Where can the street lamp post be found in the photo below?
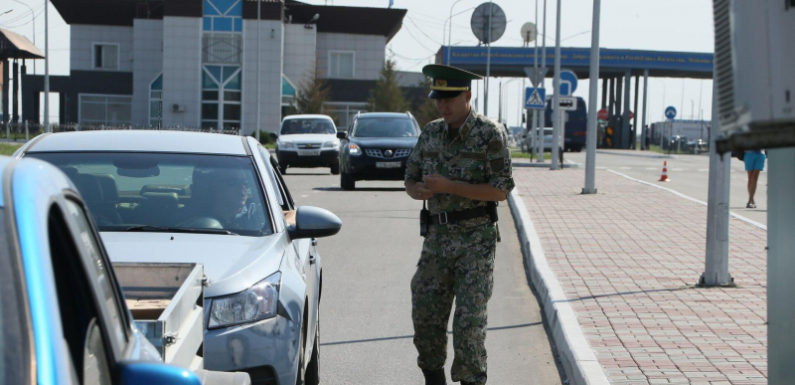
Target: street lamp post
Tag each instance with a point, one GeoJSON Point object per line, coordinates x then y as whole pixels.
{"type": "Point", "coordinates": [450, 31]}
{"type": "Point", "coordinates": [46, 70]}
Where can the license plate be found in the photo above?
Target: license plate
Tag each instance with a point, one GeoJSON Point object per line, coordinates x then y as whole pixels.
{"type": "Point", "coordinates": [387, 164]}
{"type": "Point", "coordinates": [308, 152]}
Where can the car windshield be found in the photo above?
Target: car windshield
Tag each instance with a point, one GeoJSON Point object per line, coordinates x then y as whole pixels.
{"type": "Point", "coordinates": [384, 128]}
{"type": "Point", "coordinates": [200, 193]}
{"type": "Point", "coordinates": [307, 126]}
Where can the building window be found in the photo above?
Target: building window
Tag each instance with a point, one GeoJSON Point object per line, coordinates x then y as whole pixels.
{"type": "Point", "coordinates": [106, 56]}
{"type": "Point", "coordinates": [221, 96]}
{"type": "Point", "coordinates": [109, 110]}
{"type": "Point", "coordinates": [340, 64]}
{"type": "Point", "coordinates": [222, 16]}
{"type": "Point", "coordinates": [156, 102]}
{"type": "Point", "coordinates": [221, 48]}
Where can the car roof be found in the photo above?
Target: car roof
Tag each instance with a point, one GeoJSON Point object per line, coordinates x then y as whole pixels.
{"type": "Point", "coordinates": [307, 116]}
{"type": "Point", "coordinates": [140, 140]}
{"type": "Point", "coordinates": [383, 115]}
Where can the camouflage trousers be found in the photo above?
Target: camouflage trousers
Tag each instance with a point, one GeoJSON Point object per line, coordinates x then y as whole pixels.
{"type": "Point", "coordinates": [454, 264]}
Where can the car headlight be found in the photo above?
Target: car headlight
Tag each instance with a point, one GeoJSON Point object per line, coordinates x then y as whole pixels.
{"type": "Point", "coordinates": [286, 145]}
{"type": "Point", "coordinates": [255, 303]}
{"type": "Point", "coordinates": [331, 144]}
{"type": "Point", "coordinates": [353, 149]}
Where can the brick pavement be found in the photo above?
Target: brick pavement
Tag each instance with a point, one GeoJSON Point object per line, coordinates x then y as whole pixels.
{"type": "Point", "coordinates": [627, 259]}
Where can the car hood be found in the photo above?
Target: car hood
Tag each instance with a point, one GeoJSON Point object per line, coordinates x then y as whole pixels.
{"type": "Point", "coordinates": [386, 142]}
{"type": "Point", "coordinates": [232, 263]}
{"type": "Point", "coordinates": [307, 138]}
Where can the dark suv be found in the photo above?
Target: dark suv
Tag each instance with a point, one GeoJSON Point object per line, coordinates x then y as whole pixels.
{"type": "Point", "coordinates": [376, 147]}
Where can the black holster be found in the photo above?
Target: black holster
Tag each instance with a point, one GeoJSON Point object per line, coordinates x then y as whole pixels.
{"type": "Point", "coordinates": [492, 209]}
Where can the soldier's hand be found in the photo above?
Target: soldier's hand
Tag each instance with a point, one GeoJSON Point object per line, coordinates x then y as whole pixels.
{"type": "Point", "coordinates": [437, 183]}
{"type": "Point", "coordinates": [419, 191]}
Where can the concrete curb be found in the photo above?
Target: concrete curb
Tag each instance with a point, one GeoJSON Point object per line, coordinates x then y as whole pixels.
{"type": "Point", "coordinates": [578, 359]}
{"type": "Point", "coordinates": [638, 154]}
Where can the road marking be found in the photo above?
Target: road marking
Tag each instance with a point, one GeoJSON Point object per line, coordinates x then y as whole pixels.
{"type": "Point", "coordinates": [677, 193]}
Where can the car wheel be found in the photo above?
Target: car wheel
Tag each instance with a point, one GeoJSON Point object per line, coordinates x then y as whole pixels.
{"type": "Point", "coordinates": [335, 168]}
{"type": "Point", "coordinates": [312, 376]}
{"type": "Point", "coordinates": [347, 182]}
{"type": "Point", "coordinates": [283, 169]}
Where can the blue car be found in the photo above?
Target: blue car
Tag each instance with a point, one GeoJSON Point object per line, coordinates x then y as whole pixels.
{"type": "Point", "coordinates": [63, 319]}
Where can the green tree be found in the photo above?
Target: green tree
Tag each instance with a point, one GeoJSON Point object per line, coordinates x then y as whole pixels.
{"type": "Point", "coordinates": [387, 95]}
{"type": "Point", "coordinates": [425, 111]}
{"type": "Point", "coordinates": [311, 96]}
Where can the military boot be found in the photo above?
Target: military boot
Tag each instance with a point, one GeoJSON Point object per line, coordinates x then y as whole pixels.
{"type": "Point", "coordinates": [434, 377]}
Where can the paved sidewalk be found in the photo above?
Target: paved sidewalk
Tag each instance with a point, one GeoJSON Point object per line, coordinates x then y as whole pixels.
{"type": "Point", "coordinates": [616, 272]}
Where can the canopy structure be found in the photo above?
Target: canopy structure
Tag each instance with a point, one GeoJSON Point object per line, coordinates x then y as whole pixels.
{"type": "Point", "coordinates": [15, 46]}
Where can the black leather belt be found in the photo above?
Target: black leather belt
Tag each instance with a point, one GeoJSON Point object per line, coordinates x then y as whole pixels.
{"type": "Point", "coordinates": [451, 217]}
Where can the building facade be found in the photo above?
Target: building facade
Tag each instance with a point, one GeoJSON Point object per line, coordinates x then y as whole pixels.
{"type": "Point", "coordinates": [210, 64]}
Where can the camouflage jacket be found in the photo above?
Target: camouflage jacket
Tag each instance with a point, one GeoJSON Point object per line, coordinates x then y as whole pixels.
{"type": "Point", "coordinates": [477, 154]}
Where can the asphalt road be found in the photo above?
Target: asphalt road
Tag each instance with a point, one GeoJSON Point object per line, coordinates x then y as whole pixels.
{"type": "Point", "coordinates": [366, 332]}
{"type": "Point", "coordinates": [687, 174]}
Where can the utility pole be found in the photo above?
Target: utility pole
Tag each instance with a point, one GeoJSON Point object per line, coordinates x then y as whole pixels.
{"type": "Point", "coordinates": [716, 265]}
{"type": "Point", "coordinates": [259, 45]}
{"type": "Point", "coordinates": [542, 116]}
{"type": "Point", "coordinates": [556, 98]}
{"type": "Point", "coordinates": [46, 70]}
{"type": "Point", "coordinates": [593, 82]}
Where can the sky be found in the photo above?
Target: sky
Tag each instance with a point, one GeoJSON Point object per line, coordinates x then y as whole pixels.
{"type": "Point", "coordinates": [669, 25]}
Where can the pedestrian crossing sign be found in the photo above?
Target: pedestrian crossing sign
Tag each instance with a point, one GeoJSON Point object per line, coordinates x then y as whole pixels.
{"type": "Point", "coordinates": [534, 98]}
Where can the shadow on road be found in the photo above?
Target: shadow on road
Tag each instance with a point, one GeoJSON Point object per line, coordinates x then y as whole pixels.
{"type": "Point", "coordinates": [412, 336]}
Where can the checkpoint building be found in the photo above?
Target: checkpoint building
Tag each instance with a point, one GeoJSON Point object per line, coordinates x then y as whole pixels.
{"type": "Point", "coordinates": [200, 63]}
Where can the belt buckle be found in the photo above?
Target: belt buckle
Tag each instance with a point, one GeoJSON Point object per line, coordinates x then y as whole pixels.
{"type": "Point", "coordinates": [443, 218]}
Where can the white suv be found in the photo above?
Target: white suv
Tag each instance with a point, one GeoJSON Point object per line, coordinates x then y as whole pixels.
{"type": "Point", "coordinates": [308, 140]}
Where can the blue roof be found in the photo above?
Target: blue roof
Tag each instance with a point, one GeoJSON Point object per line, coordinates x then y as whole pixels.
{"type": "Point", "coordinates": [510, 61]}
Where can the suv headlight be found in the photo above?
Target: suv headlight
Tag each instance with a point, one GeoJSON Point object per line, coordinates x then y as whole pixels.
{"type": "Point", "coordinates": [255, 303]}
{"type": "Point", "coordinates": [353, 149]}
{"type": "Point", "coordinates": [286, 145]}
{"type": "Point", "coordinates": [331, 144]}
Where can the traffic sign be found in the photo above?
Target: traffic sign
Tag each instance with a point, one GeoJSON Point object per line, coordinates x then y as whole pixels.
{"type": "Point", "coordinates": [568, 83]}
{"type": "Point", "coordinates": [536, 75]}
{"type": "Point", "coordinates": [602, 114]}
{"type": "Point", "coordinates": [670, 112]}
{"type": "Point", "coordinates": [567, 103]}
{"type": "Point", "coordinates": [534, 98]}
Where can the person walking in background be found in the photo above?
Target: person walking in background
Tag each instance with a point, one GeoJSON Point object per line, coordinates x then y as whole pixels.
{"type": "Point", "coordinates": [754, 163]}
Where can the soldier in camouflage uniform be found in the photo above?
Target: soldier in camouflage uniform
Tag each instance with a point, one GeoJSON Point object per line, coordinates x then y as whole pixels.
{"type": "Point", "coordinates": [462, 166]}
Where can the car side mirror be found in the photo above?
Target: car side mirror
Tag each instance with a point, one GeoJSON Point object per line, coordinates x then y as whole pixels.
{"type": "Point", "coordinates": [314, 222]}
{"type": "Point", "coordinates": [147, 373]}
{"type": "Point", "coordinates": [342, 135]}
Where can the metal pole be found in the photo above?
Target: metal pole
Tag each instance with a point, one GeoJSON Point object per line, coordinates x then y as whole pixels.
{"type": "Point", "coordinates": [533, 133]}
{"type": "Point", "coordinates": [634, 139]}
{"type": "Point", "coordinates": [625, 112]}
{"type": "Point", "coordinates": [46, 70]}
{"type": "Point", "coordinates": [643, 121]}
{"type": "Point", "coordinates": [259, 5]}
{"type": "Point", "coordinates": [556, 98]}
{"type": "Point", "coordinates": [593, 84]}
{"type": "Point", "coordinates": [450, 32]}
{"type": "Point", "coordinates": [716, 265]}
{"type": "Point", "coordinates": [488, 63]}
{"type": "Point", "coordinates": [780, 264]}
{"type": "Point", "coordinates": [542, 118]}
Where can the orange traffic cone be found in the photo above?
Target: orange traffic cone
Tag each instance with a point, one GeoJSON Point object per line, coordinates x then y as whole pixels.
{"type": "Point", "coordinates": [664, 176]}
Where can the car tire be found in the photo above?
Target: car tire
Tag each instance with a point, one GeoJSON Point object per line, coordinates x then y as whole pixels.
{"type": "Point", "coordinates": [312, 376]}
{"type": "Point", "coordinates": [283, 169]}
{"type": "Point", "coordinates": [347, 182]}
{"type": "Point", "coordinates": [335, 168]}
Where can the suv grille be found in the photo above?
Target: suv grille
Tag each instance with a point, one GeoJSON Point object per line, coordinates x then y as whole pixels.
{"type": "Point", "coordinates": [381, 153]}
